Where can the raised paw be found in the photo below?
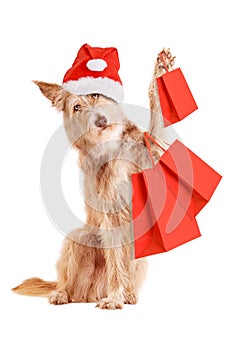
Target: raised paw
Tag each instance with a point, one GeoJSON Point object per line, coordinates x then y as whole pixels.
{"type": "Point", "coordinates": [109, 304]}
{"type": "Point", "coordinates": [58, 298]}
{"type": "Point", "coordinates": [164, 63]}
{"type": "Point", "coordinates": [130, 298]}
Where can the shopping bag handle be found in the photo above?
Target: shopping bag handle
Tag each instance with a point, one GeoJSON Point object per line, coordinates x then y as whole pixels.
{"type": "Point", "coordinates": [148, 137]}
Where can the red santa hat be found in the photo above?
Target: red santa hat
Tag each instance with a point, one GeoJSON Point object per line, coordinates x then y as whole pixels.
{"type": "Point", "coordinates": [95, 70]}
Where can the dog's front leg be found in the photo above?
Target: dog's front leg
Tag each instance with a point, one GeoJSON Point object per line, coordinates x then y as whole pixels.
{"type": "Point", "coordinates": [117, 279]}
{"type": "Point", "coordinates": [156, 118]}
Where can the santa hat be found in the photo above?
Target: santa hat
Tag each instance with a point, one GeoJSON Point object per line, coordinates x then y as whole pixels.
{"type": "Point", "coordinates": [95, 70]}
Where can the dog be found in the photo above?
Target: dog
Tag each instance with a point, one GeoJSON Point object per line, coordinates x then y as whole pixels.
{"type": "Point", "coordinates": [96, 263]}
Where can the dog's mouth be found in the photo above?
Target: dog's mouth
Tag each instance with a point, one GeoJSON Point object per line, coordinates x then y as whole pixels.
{"type": "Point", "coordinates": [104, 127]}
{"type": "Point", "coordinates": [109, 131]}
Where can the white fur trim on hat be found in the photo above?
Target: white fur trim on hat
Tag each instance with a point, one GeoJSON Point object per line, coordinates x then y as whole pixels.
{"type": "Point", "coordinates": [97, 65]}
{"type": "Point", "coordinates": [90, 85]}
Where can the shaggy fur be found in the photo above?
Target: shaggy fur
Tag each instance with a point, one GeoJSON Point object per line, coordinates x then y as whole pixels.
{"type": "Point", "coordinates": [96, 262]}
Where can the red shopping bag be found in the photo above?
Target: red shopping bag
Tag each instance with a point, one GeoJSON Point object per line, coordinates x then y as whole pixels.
{"type": "Point", "coordinates": [176, 99]}
{"type": "Point", "coordinates": [167, 197]}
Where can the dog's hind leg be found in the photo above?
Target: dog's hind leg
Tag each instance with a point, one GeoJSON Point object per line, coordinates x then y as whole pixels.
{"type": "Point", "coordinates": [66, 274]}
{"type": "Point", "coordinates": [75, 270]}
{"type": "Point", "coordinates": [137, 273]}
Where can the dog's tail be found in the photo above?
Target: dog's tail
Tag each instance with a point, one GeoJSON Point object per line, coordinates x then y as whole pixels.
{"type": "Point", "coordinates": [35, 287]}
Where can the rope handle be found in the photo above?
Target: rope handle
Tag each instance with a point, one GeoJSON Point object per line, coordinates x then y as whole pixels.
{"type": "Point", "coordinates": [148, 137]}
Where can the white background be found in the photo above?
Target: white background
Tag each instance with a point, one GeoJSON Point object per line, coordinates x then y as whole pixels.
{"type": "Point", "coordinates": [186, 302]}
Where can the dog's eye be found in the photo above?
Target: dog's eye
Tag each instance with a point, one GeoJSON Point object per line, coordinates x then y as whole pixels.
{"type": "Point", "coordinates": [95, 96]}
{"type": "Point", "coordinates": [77, 108]}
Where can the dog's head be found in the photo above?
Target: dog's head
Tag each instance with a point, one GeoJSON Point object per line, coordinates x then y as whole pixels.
{"type": "Point", "coordinates": [88, 119]}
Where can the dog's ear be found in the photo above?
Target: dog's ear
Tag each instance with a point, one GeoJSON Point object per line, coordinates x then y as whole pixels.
{"type": "Point", "coordinates": [54, 92]}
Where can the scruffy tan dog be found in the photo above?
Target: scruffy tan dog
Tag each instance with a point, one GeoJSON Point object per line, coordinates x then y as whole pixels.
{"type": "Point", "coordinates": [96, 263]}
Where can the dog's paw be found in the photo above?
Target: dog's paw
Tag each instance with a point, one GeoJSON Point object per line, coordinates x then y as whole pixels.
{"type": "Point", "coordinates": [58, 298]}
{"type": "Point", "coordinates": [109, 304]}
{"type": "Point", "coordinates": [130, 298]}
{"type": "Point", "coordinates": [165, 62]}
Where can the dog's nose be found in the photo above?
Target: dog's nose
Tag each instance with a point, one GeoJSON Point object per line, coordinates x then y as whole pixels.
{"type": "Point", "coordinates": [101, 121]}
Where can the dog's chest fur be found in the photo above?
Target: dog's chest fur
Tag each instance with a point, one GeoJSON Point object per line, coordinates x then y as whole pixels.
{"type": "Point", "coordinates": [108, 170]}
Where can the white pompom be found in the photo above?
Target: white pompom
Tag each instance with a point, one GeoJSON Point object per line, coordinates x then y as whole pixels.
{"type": "Point", "coordinates": [97, 65]}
